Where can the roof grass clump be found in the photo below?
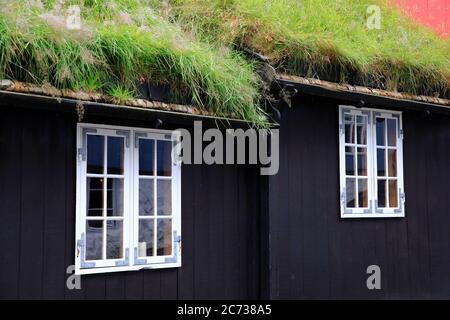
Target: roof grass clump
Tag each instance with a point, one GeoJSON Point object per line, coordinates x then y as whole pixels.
{"type": "Point", "coordinates": [118, 45]}
{"type": "Point", "coordinates": [329, 40]}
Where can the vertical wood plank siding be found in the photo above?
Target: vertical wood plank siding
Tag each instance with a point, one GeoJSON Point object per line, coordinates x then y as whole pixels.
{"type": "Point", "coordinates": [244, 236]}
{"type": "Point", "coordinates": [220, 206]}
{"type": "Point", "coordinates": [316, 254]}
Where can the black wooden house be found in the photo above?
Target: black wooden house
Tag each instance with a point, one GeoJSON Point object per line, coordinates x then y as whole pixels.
{"type": "Point", "coordinates": [89, 188]}
{"type": "Point", "coordinates": [244, 236]}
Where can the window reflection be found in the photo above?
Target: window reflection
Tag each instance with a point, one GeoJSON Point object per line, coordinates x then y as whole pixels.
{"type": "Point", "coordinates": [164, 153]}
{"type": "Point", "coordinates": [95, 153]}
{"type": "Point", "coordinates": [164, 237]}
{"type": "Point", "coordinates": [115, 155]}
{"type": "Point", "coordinates": [94, 240]}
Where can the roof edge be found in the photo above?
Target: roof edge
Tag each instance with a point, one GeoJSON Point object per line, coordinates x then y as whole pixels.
{"type": "Point", "coordinates": [352, 93]}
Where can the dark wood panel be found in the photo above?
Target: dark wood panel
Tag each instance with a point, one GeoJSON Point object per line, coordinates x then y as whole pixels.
{"type": "Point", "coordinates": [34, 149]}
{"type": "Point", "coordinates": [54, 274]}
{"type": "Point", "coordinates": [37, 196]}
{"type": "Point", "coordinates": [10, 187]}
{"type": "Point", "coordinates": [331, 254]}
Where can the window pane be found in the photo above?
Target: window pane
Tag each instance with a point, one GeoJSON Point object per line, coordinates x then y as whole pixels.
{"type": "Point", "coordinates": [393, 194]}
{"type": "Point", "coordinates": [146, 195]}
{"type": "Point", "coordinates": [115, 155]}
{"type": "Point", "coordinates": [361, 130]}
{"type": "Point", "coordinates": [164, 153]}
{"type": "Point", "coordinates": [94, 197]}
{"type": "Point", "coordinates": [146, 157]}
{"type": "Point", "coordinates": [350, 161]}
{"type": "Point", "coordinates": [164, 237]}
{"type": "Point", "coordinates": [349, 128]}
{"type": "Point", "coordinates": [381, 141]}
{"type": "Point", "coordinates": [382, 193]}
{"type": "Point", "coordinates": [115, 197]}
{"type": "Point", "coordinates": [351, 191]}
{"type": "Point", "coordinates": [381, 162]}
{"type": "Point", "coordinates": [146, 237]}
{"type": "Point", "coordinates": [164, 197]}
{"type": "Point", "coordinates": [94, 240]}
{"type": "Point", "coordinates": [363, 194]}
{"type": "Point", "coordinates": [392, 132]}
{"type": "Point", "coordinates": [392, 163]}
{"type": "Point", "coordinates": [95, 153]}
{"type": "Point", "coordinates": [362, 161]}
{"type": "Point", "coordinates": [114, 239]}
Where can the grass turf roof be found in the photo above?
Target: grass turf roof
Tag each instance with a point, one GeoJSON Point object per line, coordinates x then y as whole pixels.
{"type": "Point", "coordinates": [121, 43]}
{"type": "Point", "coordinates": [191, 45]}
{"type": "Point", "coordinates": [328, 40]}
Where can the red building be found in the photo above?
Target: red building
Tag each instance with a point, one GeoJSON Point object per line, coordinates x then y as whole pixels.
{"type": "Point", "coordinates": [432, 13]}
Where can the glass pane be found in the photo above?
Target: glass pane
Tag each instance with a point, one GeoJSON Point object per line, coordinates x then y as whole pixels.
{"type": "Point", "coordinates": [115, 197]}
{"type": "Point", "coordinates": [362, 161]}
{"type": "Point", "coordinates": [350, 161]}
{"type": "Point", "coordinates": [145, 248]}
{"type": "Point", "coordinates": [164, 153]}
{"type": "Point", "coordinates": [351, 191]}
{"type": "Point", "coordinates": [94, 240]}
{"type": "Point", "coordinates": [114, 239]}
{"type": "Point", "coordinates": [381, 132]}
{"type": "Point", "coordinates": [164, 237]}
{"type": "Point", "coordinates": [146, 157]}
{"type": "Point", "coordinates": [349, 128]}
{"type": "Point", "coordinates": [361, 132]}
{"type": "Point", "coordinates": [393, 194]}
{"type": "Point", "coordinates": [95, 153]}
{"type": "Point", "coordinates": [381, 163]}
{"type": "Point", "coordinates": [392, 132]}
{"type": "Point", "coordinates": [146, 197]}
{"type": "Point", "coordinates": [115, 155]}
{"type": "Point", "coordinates": [164, 197]}
{"type": "Point", "coordinates": [381, 193]}
{"type": "Point", "coordinates": [392, 163]}
{"type": "Point", "coordinates": [94, 197]}
{"type": "Point", "coordinates": [363, 195]}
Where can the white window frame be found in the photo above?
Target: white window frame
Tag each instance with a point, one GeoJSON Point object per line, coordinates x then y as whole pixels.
{"type": "Point", "coordinates": [130, 261]}
{"type": "Point", "coordinates": [372, 211]}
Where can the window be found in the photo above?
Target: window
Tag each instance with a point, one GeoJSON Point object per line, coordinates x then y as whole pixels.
{"type": "Point", "coordinates": [371, 163]}
{"type": "Point", "coordinates": [128, 200]}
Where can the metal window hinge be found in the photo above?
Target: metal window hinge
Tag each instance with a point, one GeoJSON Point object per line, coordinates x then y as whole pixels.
{"type": "Point", "coordinates": [81, 252]}
{"type": "Point", "coordinates": [138, 261]}
{"type": "Point", "coordinates": [82, 152]}
{"type": "Point", "coordinates": [126, 134]}
{"type": "Point", "coordinates": [138, 135]}
{"type": "Point", "coordinates": [174, 257]}
{"type": "Point", "coordinates": [126, 261]}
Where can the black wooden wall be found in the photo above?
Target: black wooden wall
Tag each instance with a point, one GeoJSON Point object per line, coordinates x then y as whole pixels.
{"type": "Point", "coordinates": [244, 236]}
{"type": "Point", "coordinates": [316, 254]}
{"type": "Point", "coordinates": [37, 222]}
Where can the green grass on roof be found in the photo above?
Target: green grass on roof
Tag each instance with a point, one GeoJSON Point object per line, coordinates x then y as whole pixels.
{"type": "Point", "coordinates": [194, 47]}
{"type": "Point", "coordinates": [121, 43]}
{"type": "Point", "coordinates": [327, 39]}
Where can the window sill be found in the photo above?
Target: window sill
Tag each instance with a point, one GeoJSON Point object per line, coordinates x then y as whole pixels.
{"type": "Point", "coordinates": [372, 215]}
{"type": "Point", "coordinates": [79, 271]}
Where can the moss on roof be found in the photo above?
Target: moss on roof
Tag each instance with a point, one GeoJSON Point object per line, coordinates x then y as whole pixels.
{"type": "Point", "coordinates": [329, 40]}
{"type": "Point", "coordinates": [195, 47]}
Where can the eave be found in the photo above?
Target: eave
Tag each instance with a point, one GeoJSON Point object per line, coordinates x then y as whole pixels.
{"type": "Point", "coordinates": [20, 95]}
{"type": "Point", "coordinates": [356, 95]}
